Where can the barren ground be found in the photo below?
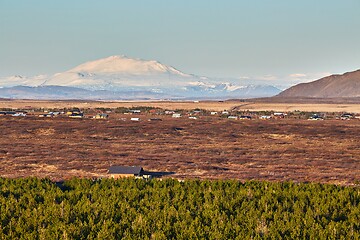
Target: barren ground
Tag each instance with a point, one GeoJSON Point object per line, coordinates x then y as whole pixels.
{"type": "Point", "coordinates": [210, 147]}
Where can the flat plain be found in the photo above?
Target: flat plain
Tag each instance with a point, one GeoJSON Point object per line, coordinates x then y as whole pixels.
{"type": "Point", "coordinates": [210, 147]}
{"type": "Point", "coordinates": [258, 105]}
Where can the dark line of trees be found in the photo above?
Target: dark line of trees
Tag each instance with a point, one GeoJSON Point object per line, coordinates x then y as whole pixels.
{"type": "Point", "coordinates": [32, 208]}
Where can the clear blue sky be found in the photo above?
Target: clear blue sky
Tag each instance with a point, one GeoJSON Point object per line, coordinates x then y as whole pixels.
{"type": "Point", "coordinates": [228, 38]}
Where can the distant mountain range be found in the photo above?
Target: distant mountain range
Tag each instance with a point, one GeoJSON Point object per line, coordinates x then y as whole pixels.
{"type": "Point", "coordinates": [335, 86]}
{"type": "Point", "coordinates": [120, 77]}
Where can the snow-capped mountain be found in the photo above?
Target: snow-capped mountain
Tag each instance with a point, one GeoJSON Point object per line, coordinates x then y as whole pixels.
{"type": "Point", "coordinates": [121, 74]}
{"type": "Point", "coordinates": [18, 80]}
{"type": "Point", "coordinates": [118, 72]}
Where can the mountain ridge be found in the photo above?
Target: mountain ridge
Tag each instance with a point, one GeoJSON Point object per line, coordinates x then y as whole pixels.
{"type": "Point", "coordinates": [345, 85]}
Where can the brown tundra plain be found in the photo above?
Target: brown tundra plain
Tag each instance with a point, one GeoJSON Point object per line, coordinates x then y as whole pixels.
{"type": "Point", "coordinates": [206, 148]}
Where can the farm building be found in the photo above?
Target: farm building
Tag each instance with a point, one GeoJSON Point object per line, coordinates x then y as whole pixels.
{"type": "Point", "coordinates": [46, 115]}
{"type": "Point", "coordinates": [243, 117]}
{"type": "Point", "coordinates": [76, 115]}
{"type": "Point", "coordinates": [279, 115]}
{"type": "Point", "coordinates": [19, 114]}
{"type": "Point", "coordinates": [155, 119]}
{"type": "Point", "coordinates": [74, 111]}
{"type": "Point", "coordinates": [346, 116]}
{"type": "Point", "coordinates": [127, 171]}
{"type": "Point", "coordinates": [265, 117]}
{"type": "Point", "coordinates": [169, 112]}
{"type": "Point", "coordinates": [101, 116]}
{"type": "Point", "coordinates": [7, 113]}
{"type": "Point", "coordinates": [233, 117]}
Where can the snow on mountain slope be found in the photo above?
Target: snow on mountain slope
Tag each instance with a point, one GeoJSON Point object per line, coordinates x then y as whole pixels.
{"type": "Point", "coordinates": [125, 65]}
{"type": "Point", "coordinates": [123, 74]}
{"type": "Point", "coordinates": [117, 72]}
{"type": "Point", "coordinates": [19, 80]}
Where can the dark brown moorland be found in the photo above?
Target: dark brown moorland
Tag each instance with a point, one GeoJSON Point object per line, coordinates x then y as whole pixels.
{"type": "Point", "coordinates": [212, 148]}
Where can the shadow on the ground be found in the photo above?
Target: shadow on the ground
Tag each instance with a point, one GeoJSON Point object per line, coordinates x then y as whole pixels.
{"type": "Point", "coordinates": [158, 174]}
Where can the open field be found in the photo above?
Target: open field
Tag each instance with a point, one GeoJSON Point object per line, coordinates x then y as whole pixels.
{"type": "Point", "coordinates": [210, 147]}
{"type": "Point", "coordinates": [211, 105]}
{"type": "Point", "coordinates": [306, 107]}
{"type": "Point", "coordinates": [258, 105]}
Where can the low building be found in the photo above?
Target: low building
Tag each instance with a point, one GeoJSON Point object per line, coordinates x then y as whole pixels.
{"type": "Point", "coordinates": [155, 119]}
{"type": "Point", "coordinates": [46, 115]}
{"type": "Point", "coordinates": [315, 118]}
{"type": "Point", "coordinates": [55, 113]}
{"type": "Point", "coordinates": [135, 119]}
{"type": "Point", "coordinates": [19, 114]}
{"type": "Point", "coordinates": [74, 111]}
{"type": "Point", "coordinates": [243, 117]}
{"type": "Point", "coordinates": [279, 115]}
{"type": "Point", "coordinates": [176, 115]}
{"type": "Point", "coordinates": [135, 111]}
{"type": "Point", "coordinates": [346, 116]}
{"type": "Point", "coordinates": [169, 112]}
{"type": "Point", "coordinates": [76, 115]}
{"type": "Point", "coordinates": [265, 117]}
{"type": "Point", "coordinates": [233, 117]}
{"type": "Point", "coordinates": [127, 171]}
{"type": "Point", "coordinates": [10, 113]}
{"type": "Point", "coordinates": [153, 111]}
{"type": "Point", "coordinates": [101, 116]}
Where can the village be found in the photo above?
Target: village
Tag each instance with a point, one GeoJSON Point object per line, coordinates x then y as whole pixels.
{"type": "Point", "coordinates": [144, 113]}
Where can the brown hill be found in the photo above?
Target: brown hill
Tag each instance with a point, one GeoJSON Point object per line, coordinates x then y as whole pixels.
{"type": "Point", "coordinates": [335, 86]}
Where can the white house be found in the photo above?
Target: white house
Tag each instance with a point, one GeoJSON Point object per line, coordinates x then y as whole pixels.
{"type": "Point", "coordinates": [135, 119]}
{"type": "Point", "coordinates": [233, 117]}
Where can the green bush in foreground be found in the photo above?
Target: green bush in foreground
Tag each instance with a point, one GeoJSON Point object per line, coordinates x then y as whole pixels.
{"type": "Point", "coordinates": [34, 208]}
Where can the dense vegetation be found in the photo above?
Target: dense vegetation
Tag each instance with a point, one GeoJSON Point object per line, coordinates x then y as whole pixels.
{"type": "Point", "coordinates": [34, 208]}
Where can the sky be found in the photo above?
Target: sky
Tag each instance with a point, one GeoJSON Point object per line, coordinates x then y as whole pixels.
{"type": "Point", "coordinates": [265, 39]}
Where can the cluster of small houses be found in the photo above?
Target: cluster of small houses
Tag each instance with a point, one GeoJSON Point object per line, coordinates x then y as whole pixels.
{"type": "Point", "coordinates": [76, 113]}
{"type": "Point", "coordinates": [194, 114]}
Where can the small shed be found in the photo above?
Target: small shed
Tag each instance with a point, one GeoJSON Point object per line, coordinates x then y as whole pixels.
{"type": "Point", "coordinates": [125, 171]}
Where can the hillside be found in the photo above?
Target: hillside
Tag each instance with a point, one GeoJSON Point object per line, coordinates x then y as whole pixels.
{"type": "Point", "coordinates": [335, 86]}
